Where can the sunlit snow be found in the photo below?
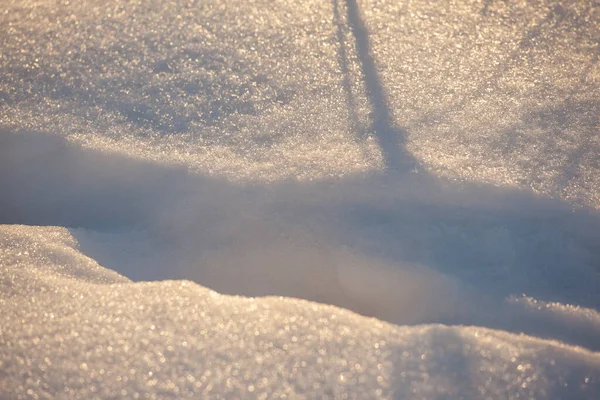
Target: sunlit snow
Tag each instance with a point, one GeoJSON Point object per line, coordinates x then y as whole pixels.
{"type": "Point", "coordinates": [314, 199]}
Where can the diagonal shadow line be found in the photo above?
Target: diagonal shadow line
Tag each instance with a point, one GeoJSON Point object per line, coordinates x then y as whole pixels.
{"type": "Point", "coordinates": [507, 64]}
{"type": "Point", "coordinates": [391, 138]}
{"type": "Point", "coordinates": [343, 62]}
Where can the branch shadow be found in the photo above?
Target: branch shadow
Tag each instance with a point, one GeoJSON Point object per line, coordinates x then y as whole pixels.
{"type": "Point", "coordinates": [391, 138]}
{"type": "Point", "coordinates": [537, 35]}
{"type": "Point", "coordinates": [571, 129]}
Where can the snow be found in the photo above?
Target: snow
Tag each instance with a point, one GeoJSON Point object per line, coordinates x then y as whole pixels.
{"type": "Point", "coordinates": [267, 199]}
{"type": "Point", "coordinates": [74, 329]}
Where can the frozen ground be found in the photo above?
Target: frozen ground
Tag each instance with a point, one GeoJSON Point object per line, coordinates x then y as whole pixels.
{"type": "Point", "coordinates": [426, 174]}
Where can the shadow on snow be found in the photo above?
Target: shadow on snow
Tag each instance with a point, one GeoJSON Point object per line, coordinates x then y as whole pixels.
{"type": "Point", "coordinates": [400, 245]}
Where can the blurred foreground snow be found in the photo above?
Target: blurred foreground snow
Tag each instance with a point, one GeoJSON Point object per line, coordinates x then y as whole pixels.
{"type": "Point", "coordinates": [416, 162]}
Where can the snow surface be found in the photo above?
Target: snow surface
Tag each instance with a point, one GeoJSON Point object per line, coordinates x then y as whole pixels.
{"type": "Point", "coordinates": [75, 329]}
{"type": "Point", "coordinates": [434, 166]}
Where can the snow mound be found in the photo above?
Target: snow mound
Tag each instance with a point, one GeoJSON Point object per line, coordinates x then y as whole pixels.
{"type": "Point", "coordinates": [72, 329]}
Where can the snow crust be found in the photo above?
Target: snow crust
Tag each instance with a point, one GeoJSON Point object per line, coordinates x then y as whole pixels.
{"type": "Point", "coordinates": [505, 94]}
{"type": "Point", "coordinates": [434, 166]}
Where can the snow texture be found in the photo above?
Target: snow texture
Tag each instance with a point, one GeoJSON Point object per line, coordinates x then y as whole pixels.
{"type": "Point", "coordinates": [274, 199]}
{"type": "Point", "coordinates": [74, 329]}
